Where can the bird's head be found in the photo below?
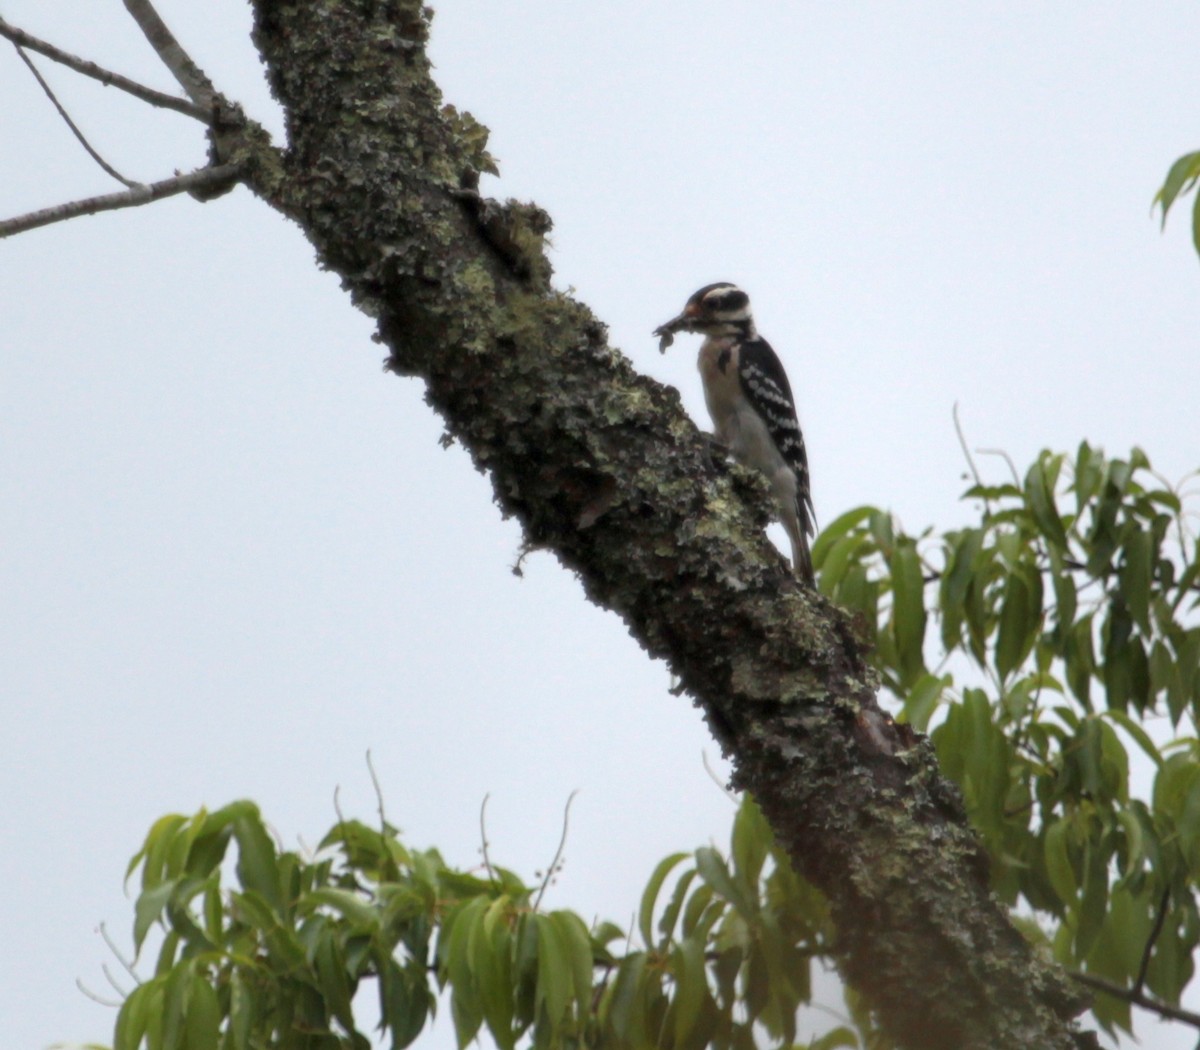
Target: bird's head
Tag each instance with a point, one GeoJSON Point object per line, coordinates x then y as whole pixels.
{"type": "Point", "coordinates": [716, 309]}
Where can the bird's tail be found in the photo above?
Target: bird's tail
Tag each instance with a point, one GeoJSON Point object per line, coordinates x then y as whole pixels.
{"type": "Point", "coordinates": [802, 564]}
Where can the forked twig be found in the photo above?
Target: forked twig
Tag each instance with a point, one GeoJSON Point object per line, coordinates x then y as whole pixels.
{"type": "Point", "coordinates": [70, 123]}
{"type": "Point", "coordinates": [132, 198]}
{"type": "Point", "coordinates": [107, 77]}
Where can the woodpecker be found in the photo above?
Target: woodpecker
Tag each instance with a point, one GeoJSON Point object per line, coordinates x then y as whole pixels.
{"type": "Point", "coordinates": [751, 404]}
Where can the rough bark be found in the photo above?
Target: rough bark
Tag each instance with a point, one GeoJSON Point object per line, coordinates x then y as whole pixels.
{"type": "Point", "coordinates": [602, 466]}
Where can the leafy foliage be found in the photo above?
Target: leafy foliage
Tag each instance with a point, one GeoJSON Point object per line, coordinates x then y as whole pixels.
{"type": "Point", "coordinates": [1049, 649]}
{"type": "Point", "coordinates": [1181, 179]}
{"type": "Point", "coordinates": [1064, 625]}
{"type": "Point", "coordinates": [277, 958]}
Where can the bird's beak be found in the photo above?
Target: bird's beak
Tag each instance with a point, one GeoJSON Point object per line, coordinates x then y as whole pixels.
{"type": "Point", "coordinates": [685, 322]}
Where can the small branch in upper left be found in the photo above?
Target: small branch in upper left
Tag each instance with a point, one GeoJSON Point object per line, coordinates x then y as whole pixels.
{"type": "Point", "coordinates": [106, 76]}
{"type": "Point", "coordinates": [201, 179]}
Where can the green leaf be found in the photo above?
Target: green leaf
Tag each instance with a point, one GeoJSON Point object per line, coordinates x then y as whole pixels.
{"type": "Point", "coordinates": [1058, 861]}
{"type": "Point", "coordinates": [149, 907]}
{"type": "Point", "coordinates": [1183, 171]}
{"type": "Point", "coordinates": [962, 550]}
{"type": "Point", "coordinates": [837, 530]}
{"type": "Point", "coordinates": [922, 700]}
{"type": "Point", "coordinates": [573, 936]}
{"type": "Point", "coordinates": [670, 914]}
{"type": "Point", "coordinates": [1136, 574]}
{"type": "Point", "coordinates": [1039, 492]}
{"type": "Point", "coordinates": [203, 1015]}
{"type": "Point", "coordinates": [626, 1009]}
{"type": "Point", "coordinates": [1140, 736]}
{"type": "Point", "coordinates": [241, 1014]}
{"type": "Point", "coordinates": [330, 964]}
{"type": "Point", "coordinates": [151, 856]}
{"type": "Point", "coordinates": [691, 986]}
{"type": "Point", "coordinates": [1020, 621]}
{"type": "Point", "coordinates": [908, 611]}
{"type": "Point", "coordinates": [650, 896]}
{"type": "Point", "coordinates": [256, 866]}
{"type": "Point", "coordinates": [1081, 660]}
{"type": "Point", "coordinates": [491, 948]}
{"type": "Point", "coordinates": [144, 1002]}
{"type": "Point", "coordinates": [553, 970]}
{"type": "Point", "coordinates": [713, 871]}
{"type": "Point", "coordinates": [403, 1001]}
{"type": "Point", "coordinates": [841, 555]}
{"type": "Point", "coordinates": [350, 906]}
{"type": "Point", "coordinates": [750, 843]}
{"type": "Point", "coordinates": [214, 912]}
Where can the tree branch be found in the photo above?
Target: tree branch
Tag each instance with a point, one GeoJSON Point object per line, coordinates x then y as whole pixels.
{"type": "Point", "coordinates": [603, 467]}
{"type": "Point", "coordinates": [106, 76]}
{"type": "Point", "coordinates": [1140, 982]}
{"type": "Point", "coordinates": [204, 178]}
{"type": "Point", "coordinates": [108, 168]}
{"type": "Point", "coordinates": [1138, 998]}
{"type": "Point", "coordinates": [190, 76]}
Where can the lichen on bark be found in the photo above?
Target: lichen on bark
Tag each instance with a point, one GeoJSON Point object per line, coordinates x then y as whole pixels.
{"type": "Point", "coordinates": [603, 467]}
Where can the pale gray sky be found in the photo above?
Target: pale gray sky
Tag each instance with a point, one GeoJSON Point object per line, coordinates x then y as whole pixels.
{"type": "Point", "coordinates": [234, 554]}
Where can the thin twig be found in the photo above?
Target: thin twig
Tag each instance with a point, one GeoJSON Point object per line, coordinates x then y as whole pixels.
{"type": "Point", "coordinates": [383, 824]}
{"type": "Point", "coordinates": [106, 76]}
{"type": "Point", "coordinates": [1159, 920]}
{"type": "Point", "coordinates": [1146, 1002]}
{"type": "Point", "coordinates": [128, 199]}
{"type": "Point", "coordinates": [337, 808]}
{"type": "Point", "coordinates": [962, 441]}
{"type": "Point", "coordinates": [70, 123]}
{"type": "Point", "coordinates": [190, 76]}
{"type": "Point", "coordinates": [112, 947]}
{"type": "Point", "coordinates": [113, 981]}
{"type": "Point", "coordinates": [487, 861]}
{"type": "Point", "coordinates": [557, 856]}
{"type": "Point", "coordinates": [93, 996]}
{"type": "Point", "coordinates": [1012, 467]}
{"type": "Point", "coordinates": [712, 773]}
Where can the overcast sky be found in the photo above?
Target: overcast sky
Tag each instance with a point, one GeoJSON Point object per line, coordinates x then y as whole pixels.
{"type": "Point", "coordinates": [234, 556]}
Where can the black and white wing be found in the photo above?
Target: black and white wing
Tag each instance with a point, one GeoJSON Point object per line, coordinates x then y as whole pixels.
{"type": "Point", "coordinates": [765, 385]}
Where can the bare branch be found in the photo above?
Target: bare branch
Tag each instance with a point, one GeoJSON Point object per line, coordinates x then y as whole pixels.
{"type": "Point", "coordinates": [962, 440]}
{"type": "Point", "coordinates": [558, 855]}
{"type": "Point", "coordinates": [1139, 998]}
{"type": "Point", "coordinates": [71, 124]}
{"type": "Point", "coordinates": [93, 996]}
{"type": "Point", "coordinates": [195, 180]}
{"type": "Point", "coordinates": [1159, 919]}
{"type": "Point", "coordinates": [383, 824]}
{"type": "Point", "coordinates": [189, 75]}
{"type": "Point", "coordinates": [1012, 467]}
{"type": "Point", "coordinates": [721, 785]}
{"type": "Point", "coordinates": [106, 76]}
{"type": "Point", "coordinates": [487, 861]}
{"type": "Point", "coordinates": [112, 947]}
